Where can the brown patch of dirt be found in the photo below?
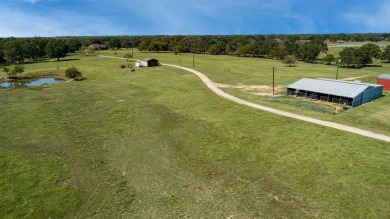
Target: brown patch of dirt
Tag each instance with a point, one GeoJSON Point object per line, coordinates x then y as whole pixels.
{"type": "Point", "coordinates": [250, 87]}
{"type": "Point", "coordinates": [354, 78]}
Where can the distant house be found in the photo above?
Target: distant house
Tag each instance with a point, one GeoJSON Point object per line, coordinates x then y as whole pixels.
{"type": "Point", "coordinates": [149, 62]}
{"type": "Point", "coordinates": [384, 79]}
{"type": "Point", "coordinates": [98, 46]}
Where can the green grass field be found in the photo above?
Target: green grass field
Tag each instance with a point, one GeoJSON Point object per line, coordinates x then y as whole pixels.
{"type": "Point", "coordinates": [255, 71]}
{"type": "Point", "coordinates": [156, 143]}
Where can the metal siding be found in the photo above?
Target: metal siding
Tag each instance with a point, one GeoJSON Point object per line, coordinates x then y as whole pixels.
{"type": "Point", "coordinates": [332, 87]}
{"type": "Point", "coordinates": [372, 94]}
{"type": "Point", "coordinates": [384, 82]}
{"type": "Point", "coordinates": [357, 100]}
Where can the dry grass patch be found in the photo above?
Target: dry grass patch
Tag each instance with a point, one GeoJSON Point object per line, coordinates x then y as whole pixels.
{"type": "Point", "coordinates": [261, 90]}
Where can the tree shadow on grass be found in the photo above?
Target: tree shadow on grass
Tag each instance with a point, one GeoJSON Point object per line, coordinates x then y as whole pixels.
{"type": "Point", "coordinates": [368, 66]}
{"type": "Point", "coordinates": [65, 60]}
{"type": "Point", "coordinates": [36, 61]}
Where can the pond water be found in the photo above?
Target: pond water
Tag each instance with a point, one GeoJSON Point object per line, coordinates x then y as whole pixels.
{"type": "Point", "coordinates": [29, 83]}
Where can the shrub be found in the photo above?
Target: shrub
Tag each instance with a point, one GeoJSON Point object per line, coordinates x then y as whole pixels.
{"type": "Point", "coordinates": [18, 69]}
{"type": "Point", "coordinates": [127, 56]}
{"type": "Point", "coordinates": [72, 73]}
{"type": "Point", "coordinates": [6, 70]}
{"type": "Point", "coordinates": [289, 60]}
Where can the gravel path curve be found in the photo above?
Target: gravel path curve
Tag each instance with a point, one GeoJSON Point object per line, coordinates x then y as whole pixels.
{"type": "Point", "coordinates": [211, 85]}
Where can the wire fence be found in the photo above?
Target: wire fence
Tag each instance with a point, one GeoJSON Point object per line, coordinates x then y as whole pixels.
{"type": "Point", "coordinates": [313, 102]}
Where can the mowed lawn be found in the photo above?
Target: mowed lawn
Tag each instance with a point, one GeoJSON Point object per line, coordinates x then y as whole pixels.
{"type": "Point", "coordinates": [156, 143]}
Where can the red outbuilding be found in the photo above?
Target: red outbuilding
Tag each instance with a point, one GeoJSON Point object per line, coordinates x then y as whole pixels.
{"type": "Point", "coordinates": [384, 79]}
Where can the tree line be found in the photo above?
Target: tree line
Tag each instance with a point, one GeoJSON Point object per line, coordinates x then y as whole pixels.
{"type": "Point", "coordinates": [283, 47]}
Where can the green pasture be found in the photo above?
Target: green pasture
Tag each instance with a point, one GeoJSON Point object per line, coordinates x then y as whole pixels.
{"type": "Point", "coordinates": [156, 143]}
{"type": "Point", "coordinates": [256, 71]}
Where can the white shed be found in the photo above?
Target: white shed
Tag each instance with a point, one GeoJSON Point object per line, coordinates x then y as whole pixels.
{"type": "Point", "coordinates": [138, 64]}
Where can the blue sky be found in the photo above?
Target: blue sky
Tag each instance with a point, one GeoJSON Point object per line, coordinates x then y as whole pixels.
{"type": "Point", "coordinates": [28, 18]}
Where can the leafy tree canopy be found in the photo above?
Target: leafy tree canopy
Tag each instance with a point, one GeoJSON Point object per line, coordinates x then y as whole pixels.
{"type": "Point", "coordinates": [386, 54]}
{"type": "Point", "coordinates": [57, 48]}
{"type": "Point", "coordinates": [329, 58]}
{"type": "Point", "coordinates": [289, 60]}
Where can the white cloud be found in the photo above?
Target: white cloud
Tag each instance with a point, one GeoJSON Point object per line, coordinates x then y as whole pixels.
{"type": "Point", "coordinates": [32, 1]}
{"type": "Point", "coordinates": [29, 1]}
{"type": "Point", "coordinates": [377, 21]}
{"type": "Point", "coordinates": [36, 1]}
{"type": "Point", "coordinates": [19, 23]}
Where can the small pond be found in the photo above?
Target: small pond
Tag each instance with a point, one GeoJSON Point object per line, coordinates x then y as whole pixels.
{"type": "Point", "coordinates": [29, 83]}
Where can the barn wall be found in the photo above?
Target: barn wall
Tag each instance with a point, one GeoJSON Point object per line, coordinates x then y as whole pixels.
{"type": "Point", "coordinates": [369, 95]}
{"type": "Point", "coordinates": [145, 64]}
{"type": "Point", "coordinates": [385, 83]}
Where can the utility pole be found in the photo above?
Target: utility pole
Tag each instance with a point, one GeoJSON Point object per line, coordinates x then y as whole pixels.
{"type": "Point", "coordinates": [193, 60]}
{"type": "Point", "coordinates": [337, 71]}
{"type": "Point", "coordinates": [273, 81]}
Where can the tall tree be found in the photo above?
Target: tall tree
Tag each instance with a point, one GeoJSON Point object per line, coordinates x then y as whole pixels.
{"type": "Point", "coordinates": [386, 54]}
{"type": "Point", "coordinates": [291, 46]}
{"type": "Point", "coordinates": [126, 43]}
{"type": "Point", "coordinates": [329, 58]}
{"type": "Point", "coordinates": [351, 56]}
{"type": "Point", "coordinates": [217, 49]}
{"type": "Point", "coordinates": [177, 48]}
{"type": "Point", "coordinates": [347, 56]}
{"type": "Point", "coordinates": [245, 49]}
{"type": "Point", "coordinates": [114, 43]}
{"type": "Point", "coordinates": [74, 44]}
{"type": "Point", "coordinates": [15, 50]}
{"type": "Point", "coordinates": [32, 50]}
{"type": "Point", "coordinates": [2, 60]}
{"type": "Point", "coordinates": [309, 52]}
{"type": "Point", "coordinates": [36, 48]}
{"type": "Point", "coordinates": [320, 42]}
{"type": "Point", "coordinates": [269, 45]}
{"type": "Point", "coordinates": [57, 48]}
{"type": "Point", "coordinates": [143, 46]}
{"type": "Point", "coordinates": [369, 52]}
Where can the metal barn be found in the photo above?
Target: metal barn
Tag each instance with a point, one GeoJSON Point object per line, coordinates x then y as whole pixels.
{"type": "Point", "coordinates": [336, 91]}
{"type": "Point", "coordinates": [384, 79]}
